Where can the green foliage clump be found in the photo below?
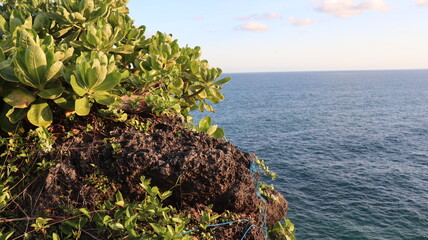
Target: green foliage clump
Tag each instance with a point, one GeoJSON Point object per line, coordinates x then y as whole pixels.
{"type": "Point", "coordinates": [205, 125]}
{"type": "Point", "coordinates": [77, 55]}
{"type": "Point", "coordinates": [283, 230]}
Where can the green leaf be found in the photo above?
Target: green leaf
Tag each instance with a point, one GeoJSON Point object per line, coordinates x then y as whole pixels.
{"type": "Point", "coordinates": [5, 124]}
{"type": "Point", "coordinates": [86, 212]}
{"type": "Point", "coordinates": [16, 114]}
{"type": "Point", "coordinates": [40, 114]}
{"type": "Point", "coordinates": [157, 228]}
{"type": "Point", "coordinates": [28, 23]}
{"type": "Point", "coordinates": [219, 133]}
{"type": "Point", "coordinates": [119, 199]}
{"type": "Point", "coordinates": [82, 106]}
{"type": "Point", "coordinates": [77, 16]}
{"type": "Point", "coordinates": [124, 49]}
{"type": "Point", "coordinates": [111, 81]}
{"type": "Point", "coordinates": [2, 56]}
{"type": "Point", "coordinates": [130, 222]}
{"type": "Point", "coordinates": [13, 24]}
{"type": "Point", "coordinates": [204, 124]}
{"type": "Point", "coordinates": [76, 87]}
{"type": "Point", "coordinates": [171, 232]}
{"type": "Point", "coordinates": [23, 77]}
{"type": "Point", "coordinates": [54, 71]}
{"type": "Point", "coordinates": [36, 63]}
{"type": "Point", "coordinates": [19, 98]}
{"type": "Point", "coordinates": [212, 130]}
{"type": "Point", "coordinates": [55, 236]}
{"type": "Point", "coordinates": [4, 63]}
{"type": "Point", "coordinates": [8, 74]}
{"type": "Point", "coordinates": [6, 235]}
{"type": "Point", "coordinates": [65, 102]}
{"type": "Point", "coordinates": [194, 67]}
{"type": "Point", "coordinates": [52, 93]}
{"type": "Point", "coordinates": [40, 21]}
{"type": "Point", "coordinates": [203, 94]}
{"type": "Point", "coordinates": [178, 83]}
{"type": "Point", "coordinates": [105, 98]}
{"type": "Point", "coordinates": [26, 38]}
{"type": "Point", "coordinates": [93, 76]}
{"type": "Point", "coordinates": [3, 25]}
{"type": "Point", "coordinates": [222, 81]}
{"type": "Point", "coordinates": [165, 195]}
{"type": "Point", "coordinates": [217, 94]}
{"type": "Point", "coordinates": [115, 226]}
{"type": "Point", "coordinates": [61, 32]}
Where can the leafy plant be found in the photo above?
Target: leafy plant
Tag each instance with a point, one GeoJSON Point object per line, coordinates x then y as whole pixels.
{"type": "Point", "coordinates": [77, 55]}
{"type": "Point", "coordinates": [94, 76]}
{"type": "Point", "coordinates": [208, 218]}
{"type": "Point", "coordinates": [205, 125]}
{"type": "Point", "coordinates": [261, 164]}
{"type": "Point", "coordinates": [283, 230]}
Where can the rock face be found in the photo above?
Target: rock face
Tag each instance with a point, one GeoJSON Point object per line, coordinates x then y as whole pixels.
{"type": "Point", "coordinates": [199, 169]}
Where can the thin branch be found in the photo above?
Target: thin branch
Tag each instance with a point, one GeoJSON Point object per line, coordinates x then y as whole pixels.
{"type": "Point", "coordinates": [60, 221]}
{"type": "Point", "coordinates": [89, 234]}
{"type": "Point", "coordinates": [194, 94]}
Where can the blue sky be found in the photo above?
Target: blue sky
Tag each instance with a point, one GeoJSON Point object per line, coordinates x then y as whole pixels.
{"type": "Point", "coordinates": [295, 35]}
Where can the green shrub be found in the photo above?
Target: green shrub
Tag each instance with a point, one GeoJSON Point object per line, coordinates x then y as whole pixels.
{"type": "Point", "coordinates": [80, 55]}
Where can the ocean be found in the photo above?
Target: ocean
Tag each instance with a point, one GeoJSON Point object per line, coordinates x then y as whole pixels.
{"type": "Point", "coordinates": [350, 147]}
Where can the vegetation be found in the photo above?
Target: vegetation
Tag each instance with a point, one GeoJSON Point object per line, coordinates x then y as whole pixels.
{"type": "Point", "coordinates": [61, 60]}
{"type": "Point", "coordinates": [80, 56]}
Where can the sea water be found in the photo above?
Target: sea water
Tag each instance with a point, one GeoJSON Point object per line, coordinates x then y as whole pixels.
{"type": "Point", "coordinates": [350, 147]}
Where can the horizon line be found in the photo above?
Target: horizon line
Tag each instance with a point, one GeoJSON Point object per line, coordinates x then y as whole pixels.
{"type": "Point", "coordinates": [346, 70]}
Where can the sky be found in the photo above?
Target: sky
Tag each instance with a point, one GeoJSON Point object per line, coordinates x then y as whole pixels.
{"type": "Point", "coordinates": [294, 35]}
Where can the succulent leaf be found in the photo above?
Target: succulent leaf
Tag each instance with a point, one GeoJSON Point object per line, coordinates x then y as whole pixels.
{"type": "Point", "coordinates": [54, 71]}
{"type": "Point", "coordinates": [19, 98]}
{"type": "Point", "coordinates": [16, 114]}
{"type": "Point", "coordinates": [76, 86]}
{"type": "Point", "coordinates": [52, 93]}
{"type": "Point", "coordinates": [35, 61]}
{"type": "Point", "coordinates": [5, 123]}
{"type": "Point", "coordinates": [40, 114]}
{"type": "Point", "coordinates": [82, 106]}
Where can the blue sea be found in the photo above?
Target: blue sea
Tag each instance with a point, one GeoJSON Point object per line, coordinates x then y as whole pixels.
{"type": "Point", "coordinates": [350, 147]}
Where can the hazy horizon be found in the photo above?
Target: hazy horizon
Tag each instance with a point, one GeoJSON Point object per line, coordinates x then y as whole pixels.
{"type": "Point", "coordinates": [351, 70]}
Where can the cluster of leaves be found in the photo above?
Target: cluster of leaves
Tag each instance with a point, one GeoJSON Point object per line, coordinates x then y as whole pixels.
{"type": "Point", "coordinates": [205, 125]}
{"type": "Point", "coordinates": [77, 55]}
{"type": "Point", "coordinates": [283, 230]}
{"type": "Point", "coordinates": [261, 164]}
{"type": "Point", "coordinates": [117, 218]}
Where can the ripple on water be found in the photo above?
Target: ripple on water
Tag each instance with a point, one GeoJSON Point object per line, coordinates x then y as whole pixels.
{"type": "Point", "coordinates": [350, 148]}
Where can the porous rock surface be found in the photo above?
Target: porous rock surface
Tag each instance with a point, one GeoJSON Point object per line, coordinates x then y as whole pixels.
{"type": "Point", "coordinates": [200, 170]}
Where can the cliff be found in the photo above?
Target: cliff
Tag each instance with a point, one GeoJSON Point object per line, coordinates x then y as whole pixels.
{"type": "Point", "coordinates": [198, 169]}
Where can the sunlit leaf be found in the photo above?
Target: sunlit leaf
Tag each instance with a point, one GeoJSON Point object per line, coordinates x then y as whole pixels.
{"type": "Point", "coordinates": [40, 114]}
{"type": "Point", "coordinates": [82, 106]}
{"type": "Point", "coordinates": [19, 98]}
{"type": "Point", "coordinates": [35, 61]}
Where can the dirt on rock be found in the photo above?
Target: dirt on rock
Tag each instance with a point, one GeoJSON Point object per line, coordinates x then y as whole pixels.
{"type": "Point", "coordinates": [198, 169]}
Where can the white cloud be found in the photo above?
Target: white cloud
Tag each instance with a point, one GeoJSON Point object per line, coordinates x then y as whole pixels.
{"type": "Point", "coordinates": [422, 3]}
{"type": "Point", "coordinates": [347, 8]}
{"type": "Point", "coordinates": [198, 18]}
{"type": "Point", "coordinates": [269, 16]}
{"type": "Point", "coordinates": [253, 27]}
{"type": "Point", "coordinates": [266, 16]}
{"type": "Point", "coordinates": [300, 22]}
